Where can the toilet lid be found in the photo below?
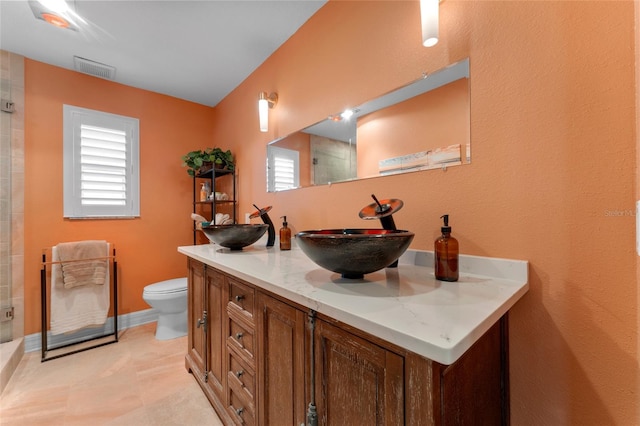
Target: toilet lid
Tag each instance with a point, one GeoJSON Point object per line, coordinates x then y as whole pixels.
{"type": "Point", "coordinates": [175, 285]}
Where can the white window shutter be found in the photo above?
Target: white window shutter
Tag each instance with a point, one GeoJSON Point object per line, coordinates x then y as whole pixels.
{"type": "Point", "coordinates": [284, 173]}
{"type": "Point", "coordinates": [101, 164]}
{"type": "Point", "coordinates": [285, 169]}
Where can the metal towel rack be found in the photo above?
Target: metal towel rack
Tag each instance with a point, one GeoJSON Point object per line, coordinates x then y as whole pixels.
{"type": "Point", "coordinates": [111, 258]}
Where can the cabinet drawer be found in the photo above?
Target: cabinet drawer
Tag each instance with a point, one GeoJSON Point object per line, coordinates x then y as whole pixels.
{"type": "Point", "coordinates": [239, 410]}
{"type": "Point", "coordinates": [241, 376]}
{"type": "Point", "coordinates": [242, 339]}
{"type": "Point", "coordinates": [242, 296]}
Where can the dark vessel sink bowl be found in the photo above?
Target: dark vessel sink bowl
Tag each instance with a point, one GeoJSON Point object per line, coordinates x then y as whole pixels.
{"type": "Point", "coordinates": [354, 252]}
{"type": "Point", "coordinates": [235, 237]}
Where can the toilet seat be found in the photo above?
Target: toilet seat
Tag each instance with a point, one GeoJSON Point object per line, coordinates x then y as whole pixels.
{"type": "Point", "coordinates": [176, 285]}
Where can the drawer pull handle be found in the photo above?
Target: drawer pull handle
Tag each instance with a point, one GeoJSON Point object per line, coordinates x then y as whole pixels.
{"type": "Point", "coordinates": [238, 336]}
{"type": "Point", "coordinates": [239, 373]}
{"type": "Point", "coordinates": [239, 411]}
{"type": "Point", "coordinates": [239, 297]}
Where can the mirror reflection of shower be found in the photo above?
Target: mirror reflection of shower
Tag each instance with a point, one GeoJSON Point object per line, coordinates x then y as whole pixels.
{"type": "Point", "coordinates": [332, 160]}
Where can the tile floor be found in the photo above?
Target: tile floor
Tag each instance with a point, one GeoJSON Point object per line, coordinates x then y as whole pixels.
{"type": "Point", "coordinates": [138, 381]}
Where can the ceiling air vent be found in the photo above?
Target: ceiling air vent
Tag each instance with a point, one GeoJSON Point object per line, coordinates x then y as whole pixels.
{"type": "Point", "coordinates": [94, 68]}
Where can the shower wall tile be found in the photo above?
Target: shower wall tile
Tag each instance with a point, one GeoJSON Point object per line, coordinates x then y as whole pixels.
{"type": "Point", "coordinates": [5, 225]}
{"type": "Point", "coordinates": [17, 150]}
{"type": "Point", "coordinates": [17, 275]}
{"type": "Point", "coordinates": [17, 116]}
{"type": "Point", "coordinates": [12, 191]}
{"type": "Point", "coordinates": [5, 295]}
{"type": "Point", "coordinates": [18, 315]}
{"type": "Point", "coordinates": [5, 188]}
{"type": "Point", "coordinates": [17, 235]}
{"type": "Point", "coordinates": [16, 70]}
{"type": "Point", "coordinates": [17, 194]}
{"type": "Point", "coordinates": [6, 330]}
{"type": "Point", "coordinates": [5, 246]}
{"type": "Point", "coordinates": [4, 61]}
{"type": "Point", "coordinates": [5, 204]}
{"type": "Point", "coordinates": [5, 235]}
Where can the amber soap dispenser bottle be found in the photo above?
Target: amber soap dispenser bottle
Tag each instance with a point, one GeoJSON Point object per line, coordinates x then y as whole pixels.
{"type": "Point", "coordinates": [446, 254]}
{"type": "Point", "coordinates": [285, 235]}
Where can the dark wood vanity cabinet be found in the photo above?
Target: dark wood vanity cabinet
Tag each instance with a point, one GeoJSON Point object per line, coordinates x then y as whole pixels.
{"type": "Point", "coordinates": [361, 379]}
{"type": "Point", "coordinates": [282, 363]}
{"type": "Point", "coordinates": [240, 350]}
{"type": "Point", "coordinates": [216, 367]}
{"type": "Point", "coordinates": [357, 382]}
{"type": "Point", "coordinates": [205, 315]}
{"type": "Point", "coordinates": [267, 359]}
{"type": "Point", "coordinates": [197, 351]}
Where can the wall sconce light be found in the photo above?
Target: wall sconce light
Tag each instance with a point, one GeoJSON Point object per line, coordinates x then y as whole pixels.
{"type": "Point", "coordinates": [264, 103]}
{"type": "Point", "coordinates": [429, 10]}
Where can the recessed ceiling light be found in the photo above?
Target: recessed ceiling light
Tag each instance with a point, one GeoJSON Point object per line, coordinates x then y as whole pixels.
{"type": "Point", "coordinates": [56, 13]}
{"type": "Point", "coordinates": [56, 20]}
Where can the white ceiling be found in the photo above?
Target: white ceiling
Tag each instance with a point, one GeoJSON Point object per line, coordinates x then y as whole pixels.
{"type": "Point", "coordinates": [194, 50]}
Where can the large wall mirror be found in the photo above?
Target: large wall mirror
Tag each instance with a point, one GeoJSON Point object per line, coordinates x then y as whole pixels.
{"type": "Point", "coordinates": [420, 126]}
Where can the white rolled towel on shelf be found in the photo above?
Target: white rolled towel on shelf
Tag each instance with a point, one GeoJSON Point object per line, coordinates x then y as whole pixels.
{"type": "Point", "coordinates": [198, 218]}
{"type": "Point", "coordinates": [223, 219]}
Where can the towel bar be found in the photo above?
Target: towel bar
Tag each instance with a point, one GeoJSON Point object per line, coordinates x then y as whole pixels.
{"type": "Point", "coordinates": [47, 260]}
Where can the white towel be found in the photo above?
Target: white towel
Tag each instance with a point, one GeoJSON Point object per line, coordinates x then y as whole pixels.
{"type": "Point", "coordinates": [77, 307]}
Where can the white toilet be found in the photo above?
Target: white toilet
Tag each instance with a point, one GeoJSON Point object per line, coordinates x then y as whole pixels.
{"type": "Point", "coordinates": [169, 299]}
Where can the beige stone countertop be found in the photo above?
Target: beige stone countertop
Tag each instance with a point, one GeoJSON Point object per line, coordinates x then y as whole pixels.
{"type": "Point", "coordinates": [406, 305]}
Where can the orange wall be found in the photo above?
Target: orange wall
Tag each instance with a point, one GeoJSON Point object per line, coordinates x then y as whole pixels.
{"type": "Point", "coordinates": [553, 137]}
{"type": "Point", "coordinates": [637, 21]}
{"type": "Point", "coordinates": [146, 247]}
{"type": "Point", "coordinates": [553, 130]}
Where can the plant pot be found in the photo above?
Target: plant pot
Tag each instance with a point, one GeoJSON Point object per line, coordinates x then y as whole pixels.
{"type": "Point", "coordinates": [206, 166]}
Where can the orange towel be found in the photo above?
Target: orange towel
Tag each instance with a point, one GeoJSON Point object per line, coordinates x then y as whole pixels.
{"type": "Point", "coordinates": [76, 271]}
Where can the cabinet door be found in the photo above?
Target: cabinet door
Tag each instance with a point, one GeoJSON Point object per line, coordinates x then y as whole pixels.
{"type": "Point", "coordinates": [475, 388]}
{"type": "Point", "coordinates": [216, 371]}
{"type": "Point", "coordinates": [357, 382]}
{"type": "Point", "coordinates": [197, 354]}
{"type": "Point", "coordinates": [281, 363]}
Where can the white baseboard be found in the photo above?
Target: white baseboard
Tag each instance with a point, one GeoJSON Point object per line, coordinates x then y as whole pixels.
{"type": "Point", "coordinates": [33, 342]}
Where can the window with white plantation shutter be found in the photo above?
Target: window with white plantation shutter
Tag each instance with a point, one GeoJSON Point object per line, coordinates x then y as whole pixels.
{"type": "Point", "coordinates": [101, 178]}
{"type": "Point", "coordinates": [285, 166]}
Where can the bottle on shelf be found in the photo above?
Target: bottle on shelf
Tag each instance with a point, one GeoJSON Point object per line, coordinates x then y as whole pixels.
{"type": "Point", "coordinates": [445, 254]}
{"type": "Point", "coordinates": [285, 235]}
{"type": "Point", "coordinates": [205, 190]}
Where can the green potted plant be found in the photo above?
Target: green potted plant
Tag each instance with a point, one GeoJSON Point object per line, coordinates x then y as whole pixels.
{"type": "Point", "coordinates": [222, 159]}
{"type": "Point", "coordinates": [200, 161]}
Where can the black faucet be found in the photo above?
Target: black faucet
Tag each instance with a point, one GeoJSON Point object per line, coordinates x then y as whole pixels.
{"type": "Point", "coordinates": [262, 213]}
{"type": "Point", "coordinates": [384, 211]}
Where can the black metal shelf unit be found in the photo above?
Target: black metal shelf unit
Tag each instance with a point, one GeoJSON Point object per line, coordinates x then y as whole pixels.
{"type": "Point", "coordinates": [218, 179]}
